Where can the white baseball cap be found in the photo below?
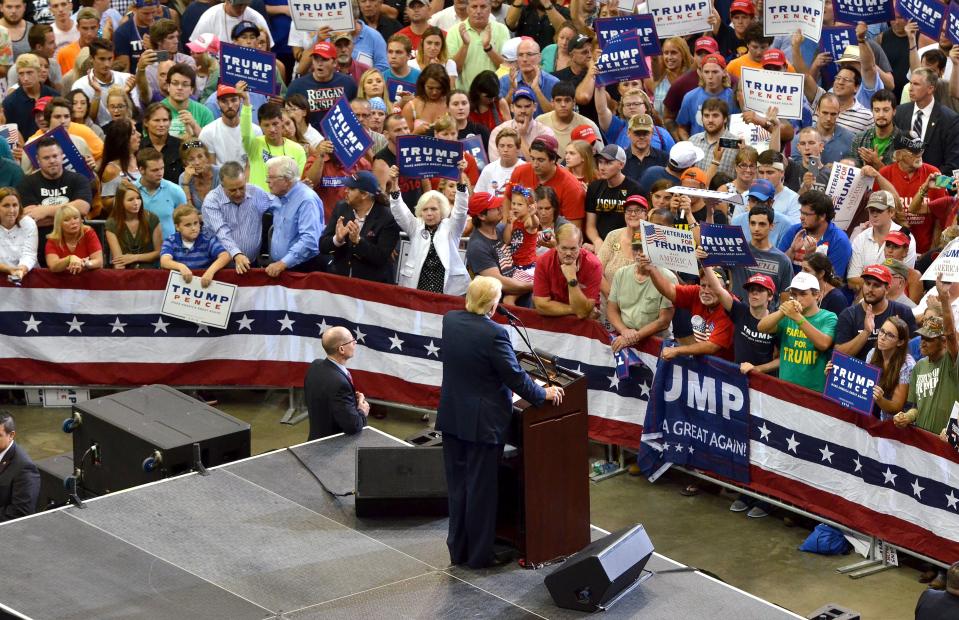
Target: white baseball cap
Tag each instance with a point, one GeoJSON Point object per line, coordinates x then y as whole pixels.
{"type": "Point", "coordinates": [510, 50]}
{"type": "Point", "coordinates": [684, 154]}
{"type": "Point", "coordinates": [803, 281]}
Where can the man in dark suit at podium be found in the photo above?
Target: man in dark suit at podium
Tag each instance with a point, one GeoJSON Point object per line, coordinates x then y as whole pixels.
{"type": "Point", "coordinates": [19, 478]}
{"type": "Point", "coordinates": [480, 372]}
{"type": "Point", "coordinates": [334, 405]}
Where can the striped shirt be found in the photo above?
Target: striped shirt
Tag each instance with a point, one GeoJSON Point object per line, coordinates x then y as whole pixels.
{"type": "Point", "coordinates": [239, 227]}
{"type": "Point", "coordinates": [856, 119]}
{"type": "Point", "coordinates": [204, 251]}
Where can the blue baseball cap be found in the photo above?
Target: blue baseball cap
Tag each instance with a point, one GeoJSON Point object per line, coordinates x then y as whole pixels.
{"type": "Point", "coordinates": [365, 181]}
{"type": "Point", "coordinates": [524, 91]}
{"type": "Point", "coordinates": [762, 189]}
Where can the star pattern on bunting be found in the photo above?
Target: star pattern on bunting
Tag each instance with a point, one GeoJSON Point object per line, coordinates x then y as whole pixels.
{"type": "Point", "coordinates": [160, 325]}
{"type": "Point", "coordinates": [75, 325]}
{"type": "Point", "coordinates": [916, 489]}
{"type": "Point", "coordinates": [614, 381]}
{"type": "Point", "coordinates": [245, 322]}
{"type": "Point", "coordinates": [889, 477]}
{"type": "Point", "coordinates": [32, 325]}
{"type": "Point", "coordinates": [826, 454]}
{"type": "Point", "coordinates": [286, 322]}
{"type": "Point", "coordinates": [360, 336]}
{"type": "Point", "coordinates": [764, 432]}
{"type": "Point", "coordinates": [431, 349]}
{"type": "Point", "coordinates": [395, 342]}
{"type": "Point", "coordinates": [202, 329]}
{"type": "Point", "coordinates": [117, 326]}
{"type": "Point", "coordinates": [793, 444]}
{"type": "Point", "coordinates": [323, 325]}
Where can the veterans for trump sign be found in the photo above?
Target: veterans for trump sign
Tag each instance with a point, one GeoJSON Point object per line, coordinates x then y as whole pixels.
{"type": "Point", "coordinates": [929, 15]}
{"type": "Point", "coordinates": [678, 18]}
{"type": "Point", "coordinates": [762, 89]}
{"type": "Point", "coordinates": [191, 302]}
{"type": "Point", "coordinates": [726, 245]}
{"type": "Point", "coordinates": [423, 157]}
{"type": "Point", "coordinates": [670, 247]}
{"type": "Point", "coordinates": [850, 382]}
{"type": "Point", "coordinates": [621, 61]}
{"type": "Point", "coordinates": [311, 15]}
{"type": "Point", "coordinates": [869, 11]}
{"type": "Point", "coordinates": [846, 186]}
{"type": "Point", "coordinates": [787, 16]}
{"type": "Point", "coordinates": [346, 133]}
{"type": "Point", "coordinates": [245, 64]}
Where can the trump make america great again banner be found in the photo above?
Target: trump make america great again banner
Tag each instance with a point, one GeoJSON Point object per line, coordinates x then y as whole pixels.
{"type": "Point", "coordinates": [104, 328]}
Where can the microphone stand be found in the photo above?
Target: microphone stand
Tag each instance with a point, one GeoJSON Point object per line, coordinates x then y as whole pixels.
{"type": "Point", "coordinates": [513, 319]}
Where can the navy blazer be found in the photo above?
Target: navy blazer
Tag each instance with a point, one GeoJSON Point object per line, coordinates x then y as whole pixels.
{"type": "Point", "coordinates": [942, 131]}
{"type": "Point", "coordinates": [19, 484]}
{"type": "Point", "coordinates": [331, 401]}
{"type": "Point", "coordinates": [480, 373]}
{"type": "Point", "coordinates": [372, 257]}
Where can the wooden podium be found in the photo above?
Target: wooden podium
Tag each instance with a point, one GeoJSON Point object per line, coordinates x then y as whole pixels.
{"type": "Point", "coordinates": [543, 507]}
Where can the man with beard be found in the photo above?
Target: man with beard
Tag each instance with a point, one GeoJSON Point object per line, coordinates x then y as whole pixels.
{"type": "Point", "coordinates": [715, 118]}
{"type": "Point", "coordinates": [222, 136]}
{"type": "Point", "coordinates": [324, 85]}
{"type": "Point", "coordinates": [874, 146]}
{"type": "Point", "coordinates": [858, 327]}
{"type": "Point", "coordinates": [910, 175]}
{"type": "Point", "coordinates": [816, 232]}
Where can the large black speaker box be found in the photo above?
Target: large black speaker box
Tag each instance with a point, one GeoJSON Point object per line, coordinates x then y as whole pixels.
{"type": "Point", "coordinates": [138, 436]}
{"type": "Point", "coordinates": [594, 578]}
{"type": "Point", "coordinates": [53, 472]}
{"type": "Point", "coordinates": [400, 482]}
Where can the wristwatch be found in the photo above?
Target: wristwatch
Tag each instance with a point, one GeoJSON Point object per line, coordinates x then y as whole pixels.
{"type": "Point", "coordinates": [573, 282]}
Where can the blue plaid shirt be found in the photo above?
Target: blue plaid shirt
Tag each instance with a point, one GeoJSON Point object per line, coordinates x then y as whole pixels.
{"type": "Point", "coordinates": [204, 252]}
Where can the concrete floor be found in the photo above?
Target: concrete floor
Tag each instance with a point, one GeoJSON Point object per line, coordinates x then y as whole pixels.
{"type": "Point", "coordinates": [759, 556]}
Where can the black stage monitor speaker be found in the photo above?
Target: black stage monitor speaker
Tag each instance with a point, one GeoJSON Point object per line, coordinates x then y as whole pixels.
{"type": "Point", "coordinates": [400, 481]}
{"type": "Point", "coordinates": [138, 436]}
{"type": "Point", "coordinates": [594, 578]}
{"type": "Point", "coordinates": [53, 473]}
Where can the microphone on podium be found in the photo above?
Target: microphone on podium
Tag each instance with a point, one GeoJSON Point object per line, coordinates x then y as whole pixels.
{"type": "Point", "coordinates": [513, 320]}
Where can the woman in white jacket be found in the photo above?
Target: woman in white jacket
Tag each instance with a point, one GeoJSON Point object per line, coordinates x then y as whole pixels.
{"type": "Point", "coordinates": [433, 262]}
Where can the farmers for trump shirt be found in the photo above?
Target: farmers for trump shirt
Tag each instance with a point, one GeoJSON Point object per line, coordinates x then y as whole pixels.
{"type": "Point", "coordinates": [799, 360]}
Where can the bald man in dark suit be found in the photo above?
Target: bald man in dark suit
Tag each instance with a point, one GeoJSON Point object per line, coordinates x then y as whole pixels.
{"type": "Point", "coordinates": [333, 403]}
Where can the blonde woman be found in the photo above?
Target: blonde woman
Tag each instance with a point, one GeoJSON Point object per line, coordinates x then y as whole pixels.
{"type": "Point", "coordinates": [72, 246]}
{"type": "Point", "coordinates": [675, 61]}
{"type": "Point", "coordinates": [580, 162]}
{"type": "Point", "coordinates": [372, 84]}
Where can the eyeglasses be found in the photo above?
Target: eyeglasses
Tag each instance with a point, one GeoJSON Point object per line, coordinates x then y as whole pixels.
{"type": "Point", "coordinates": [346, 343]}
{"type": "Point", "coordinates": [806, 213]}
{"type": "Point", "coordinates": [635, 211]}
{"type": "Point", "coordinates": [746, 166]}
{"type": "Point", "coordinates": [527, 55]}
{"type": "Point", "coordinates": [844, 80]}
{"type": "Point", "coordinates": [884, 333]}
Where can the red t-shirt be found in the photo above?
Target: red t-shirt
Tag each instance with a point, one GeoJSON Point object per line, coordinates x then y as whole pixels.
{"type": "Point", "coordinates": [709, 324]}
{"type": "Point", "coordinates": [571, 193]}
{"type": "Point", "coordinates": [331, 188]}
{"type": "Point", "coordinates": [921, 226]}
{"type": "Point", "coordinates": [550, 282]}
{"type": "Point", "coordinates": [89, 244]}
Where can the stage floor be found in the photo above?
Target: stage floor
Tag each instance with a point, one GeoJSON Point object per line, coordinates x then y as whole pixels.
{"type": "Point", "coordinates": [261, 539]}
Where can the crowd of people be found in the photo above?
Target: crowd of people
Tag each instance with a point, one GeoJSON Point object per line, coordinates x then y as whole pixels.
{"type": "Point", "coordinates": [182, 169]}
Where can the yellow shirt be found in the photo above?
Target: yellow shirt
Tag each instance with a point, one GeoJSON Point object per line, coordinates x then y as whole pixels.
{"type": "Point", "coordinates": [258, 151]}
{"type": "Point", "coordinates": [477, 60]}
{"type": "Point", "coordinates": [84, 133]}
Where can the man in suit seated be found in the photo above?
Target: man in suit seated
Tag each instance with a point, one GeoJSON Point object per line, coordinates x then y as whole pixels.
{"type": "Point", "coordinates": [361, 234]}
{"type": "Point", "coordinates": [19, 478]}
{"type": "Point", "coordinates": [334, 406]}
{"type": "Point", "coordinates": [480, 373]}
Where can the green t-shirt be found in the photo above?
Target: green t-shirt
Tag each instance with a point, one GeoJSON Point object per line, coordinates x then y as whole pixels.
{"type": "Point", "coordinates": [881, 144]}
{"type": "Point", "coordinates": [200, 113]}
{"type": "Point", "coordinates": [933, 389]}
{"type": "Point", "coordinates": [799, 360]}
{"type": "Point", "coordinates": [639, 303]}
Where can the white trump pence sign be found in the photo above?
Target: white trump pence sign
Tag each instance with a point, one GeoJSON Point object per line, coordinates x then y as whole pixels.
{"type": "Point", "coordinates": [311, 15]}
{"type": "Point", "coordinates": [191, 302]}
{"type": "Point", "coordinates": [846, 186]}
{"type": "Point", "coordinates": [678, 18]}
{"type": "Point", "coordinates": [762, 89]}
{"type": "Point", "coordinates": [787, 16]}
